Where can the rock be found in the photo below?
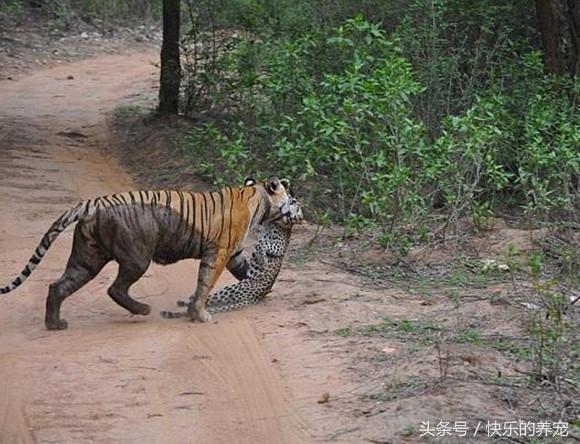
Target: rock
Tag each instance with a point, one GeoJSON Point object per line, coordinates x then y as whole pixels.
{"type": "Point", "coordinates": [324, 398]}
{"type": "Point", "coordinates": [388, 350]}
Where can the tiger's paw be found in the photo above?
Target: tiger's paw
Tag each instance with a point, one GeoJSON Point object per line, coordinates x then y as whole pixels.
{"type": "Point", "coordinates": [201, 315]}
{"type": "Point", "coordinates": [56, 324]}
{"type": "Point", "coordinates": [142, 309]}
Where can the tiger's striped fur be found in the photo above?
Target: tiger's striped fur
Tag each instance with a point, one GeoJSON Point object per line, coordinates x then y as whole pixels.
{"type": "Point", "coordinates": [264, 267]}
{"type": "Point", "coordinates": [135, 228]}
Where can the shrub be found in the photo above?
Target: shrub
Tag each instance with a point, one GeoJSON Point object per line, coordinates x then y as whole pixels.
{"type": "Point", "coordinates": [340, 110]}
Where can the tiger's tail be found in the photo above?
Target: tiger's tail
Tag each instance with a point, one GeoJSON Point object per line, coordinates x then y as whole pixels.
{"type": "Point", "coordinates": [67, 218]}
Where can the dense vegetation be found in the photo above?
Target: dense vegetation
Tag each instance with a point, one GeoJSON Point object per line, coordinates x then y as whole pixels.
{"type": "Point", "coordinates": [390, 114]}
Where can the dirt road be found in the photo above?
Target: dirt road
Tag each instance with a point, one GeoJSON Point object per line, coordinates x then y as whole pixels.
{"type": "Point", "coordinates": [111, 377]}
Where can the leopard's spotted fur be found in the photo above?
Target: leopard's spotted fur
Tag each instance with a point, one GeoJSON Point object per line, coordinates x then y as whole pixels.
{"type": "Point", "coordinates": [263, 270]}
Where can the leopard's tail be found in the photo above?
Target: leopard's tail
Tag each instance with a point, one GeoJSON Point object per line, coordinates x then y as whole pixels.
{"type": "Point", "coordinates": [59, 225]}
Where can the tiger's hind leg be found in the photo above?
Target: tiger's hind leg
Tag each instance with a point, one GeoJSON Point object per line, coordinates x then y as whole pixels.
{"type": "Point", "coordinates": [129, 273]}
{"type": "Point", "coordinates": [72, 280]}
{"type": "Point", "coordinates": [85, 262]}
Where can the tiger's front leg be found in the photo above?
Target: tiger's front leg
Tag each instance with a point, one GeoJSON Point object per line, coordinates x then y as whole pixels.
{"type": "Point", "coordinates": [238, 265]}
{"type": "Point", "coordinates": [210, 269]}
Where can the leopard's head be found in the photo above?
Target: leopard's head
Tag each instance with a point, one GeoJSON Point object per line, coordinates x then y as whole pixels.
{"type": "Point", "coordinates": [283, 206]}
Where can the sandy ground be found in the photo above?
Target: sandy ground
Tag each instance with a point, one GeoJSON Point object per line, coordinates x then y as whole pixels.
{"type": "Point", "coordinates": [35, 40]}
{"type": "Point", "coordinates": [112, 377]}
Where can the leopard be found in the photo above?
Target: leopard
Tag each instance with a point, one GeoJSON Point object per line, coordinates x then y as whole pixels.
{"type": "Point", "coordinates": [263, 269]}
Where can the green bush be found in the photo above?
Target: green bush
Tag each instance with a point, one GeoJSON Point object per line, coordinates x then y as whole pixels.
{"type": "Point", "coordinates": [12, 8]}
{"type": "Point", "coordinates": [357, 128]}
{"type": "Point", "coordinates": [229, 150]}
{"type": "Point", "coordinates": [459, 50]}
{"type": "Point", "coordinates": [521, 142]}
{"type": "Point", "coordinates": [340, 111]}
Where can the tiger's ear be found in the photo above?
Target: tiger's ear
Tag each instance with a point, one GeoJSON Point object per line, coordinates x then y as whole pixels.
{"type": "Point", "coordinates": [249, 182]}
{"type": "Point", "coordinates": [272, 184]}
{"type": "Point", "coordinates": [286, 184]}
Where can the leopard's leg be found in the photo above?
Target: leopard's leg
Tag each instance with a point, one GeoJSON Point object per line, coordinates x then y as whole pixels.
{"type": "Point", "coordinates": [227, 298]}
{"type": "Point", "coordinates": [226, 295]}
{"type": "Point", "coordinates": [243, 300]}
{"type": "Point", "coordinates": [211, 267]}
{"type": "Point", "coordinates": [233, 297]}
{"type": "Point", "coordinates": [247, 292]}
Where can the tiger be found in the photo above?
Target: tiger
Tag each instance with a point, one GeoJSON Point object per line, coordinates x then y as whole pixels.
{"type": "Point", "coordinates": [263, 269]}
{"type": "Point", "coordinates": [135, 228]}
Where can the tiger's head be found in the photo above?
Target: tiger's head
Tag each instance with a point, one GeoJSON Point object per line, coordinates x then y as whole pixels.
{"type": "Point", "coordinates": [283, 206]}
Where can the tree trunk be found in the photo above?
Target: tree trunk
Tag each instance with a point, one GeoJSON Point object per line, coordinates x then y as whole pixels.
{"type": "Point", "coordinates": [549, 31]}
{"type": "Point", "coordinates": [574, 23]}
{"type": "Point", "coordinates": [170, 64]}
